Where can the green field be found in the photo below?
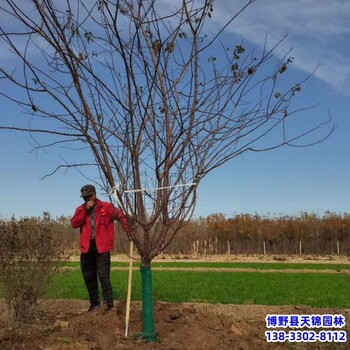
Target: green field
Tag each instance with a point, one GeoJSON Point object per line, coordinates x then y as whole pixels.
{"type": "Point", "coordinates": [319, 290]}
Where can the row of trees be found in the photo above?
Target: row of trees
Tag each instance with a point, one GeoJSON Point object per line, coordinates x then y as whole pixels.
{"type": "Point", "coordinates": [244, 234]}
{"type": "Point", "coordinates": [255, 234]}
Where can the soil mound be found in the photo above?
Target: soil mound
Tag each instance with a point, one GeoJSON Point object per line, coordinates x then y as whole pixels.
{"type": "Point", "coordinates": [65, 324]}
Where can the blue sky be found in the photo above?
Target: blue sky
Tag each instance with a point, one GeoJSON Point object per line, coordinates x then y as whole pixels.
{"type": "Point", "coordinates": [284, 181]}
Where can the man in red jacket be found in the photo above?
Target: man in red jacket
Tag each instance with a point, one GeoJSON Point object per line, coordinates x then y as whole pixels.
{"type": "Point", "coordinates": [95, 220]}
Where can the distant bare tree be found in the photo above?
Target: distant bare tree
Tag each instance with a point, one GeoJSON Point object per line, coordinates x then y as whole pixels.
{"type": "Point", "coordinates": [156, 101]}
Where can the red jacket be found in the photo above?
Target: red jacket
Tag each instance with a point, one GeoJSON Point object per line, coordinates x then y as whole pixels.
{"type": "Point", "coordinates": [105, 213]}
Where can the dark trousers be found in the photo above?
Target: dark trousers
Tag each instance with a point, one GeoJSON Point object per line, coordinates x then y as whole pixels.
{"type": "Point", "coordinates": [95, 265]}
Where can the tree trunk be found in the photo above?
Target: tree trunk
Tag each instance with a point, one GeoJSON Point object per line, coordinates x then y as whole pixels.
{"type": "Point", "coordinates": [148, 329]}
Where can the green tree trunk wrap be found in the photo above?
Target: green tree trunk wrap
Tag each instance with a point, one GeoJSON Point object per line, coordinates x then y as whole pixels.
{"type": "Point", "coordinates": [148, 329]}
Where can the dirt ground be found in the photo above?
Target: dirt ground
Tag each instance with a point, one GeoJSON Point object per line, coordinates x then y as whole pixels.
{"type": "Point", "coordinates": [247, 258]}
{"type": "Point", "coordinates": [270, 258]}
{"type": "Point", "coordinates": [65, 325]}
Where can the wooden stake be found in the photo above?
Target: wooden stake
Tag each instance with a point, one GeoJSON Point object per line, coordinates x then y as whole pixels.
{"type": "Point", "coordinates": [127, 313]}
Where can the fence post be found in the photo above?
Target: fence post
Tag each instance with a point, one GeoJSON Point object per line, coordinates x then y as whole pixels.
{"type": "Point", "coordinates": [228, 248]}
{"type": "Point", "coordinates": [338, 248]}
{"type": "Point", "coordinates": [300, 247]}
{"type": "Point", "coordinates": [264, 248]}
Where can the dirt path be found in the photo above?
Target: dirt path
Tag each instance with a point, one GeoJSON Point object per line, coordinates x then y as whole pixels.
{"type": "Point", "coordinates": [294, 259]}
{"type": "Point", "coordinates": [237, 269]}
{"type": "Point", "coordinates": [223, 269]}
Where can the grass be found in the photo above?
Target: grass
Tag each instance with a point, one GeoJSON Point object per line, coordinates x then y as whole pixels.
{"type": "Point", "coordinates": [259, 266]}
{"type": "Point", "coordinates": [319, 290]}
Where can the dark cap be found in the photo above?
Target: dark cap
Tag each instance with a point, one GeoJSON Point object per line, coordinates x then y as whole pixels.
{"type": "Point", "coordinates": [87, 190]}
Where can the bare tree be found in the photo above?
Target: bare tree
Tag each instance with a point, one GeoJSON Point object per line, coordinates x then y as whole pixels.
{"type": "Point", "coordinates": [156, 101]}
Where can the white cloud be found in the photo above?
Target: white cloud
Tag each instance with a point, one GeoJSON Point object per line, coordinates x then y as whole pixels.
{"type": "Point", "coordinates": [317, 31]}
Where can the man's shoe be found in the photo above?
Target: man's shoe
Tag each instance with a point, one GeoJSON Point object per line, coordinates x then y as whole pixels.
{"type": "Point", "coordinates": [93, 308]}
{"type": "Point", "coordinates": [107, 309]}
